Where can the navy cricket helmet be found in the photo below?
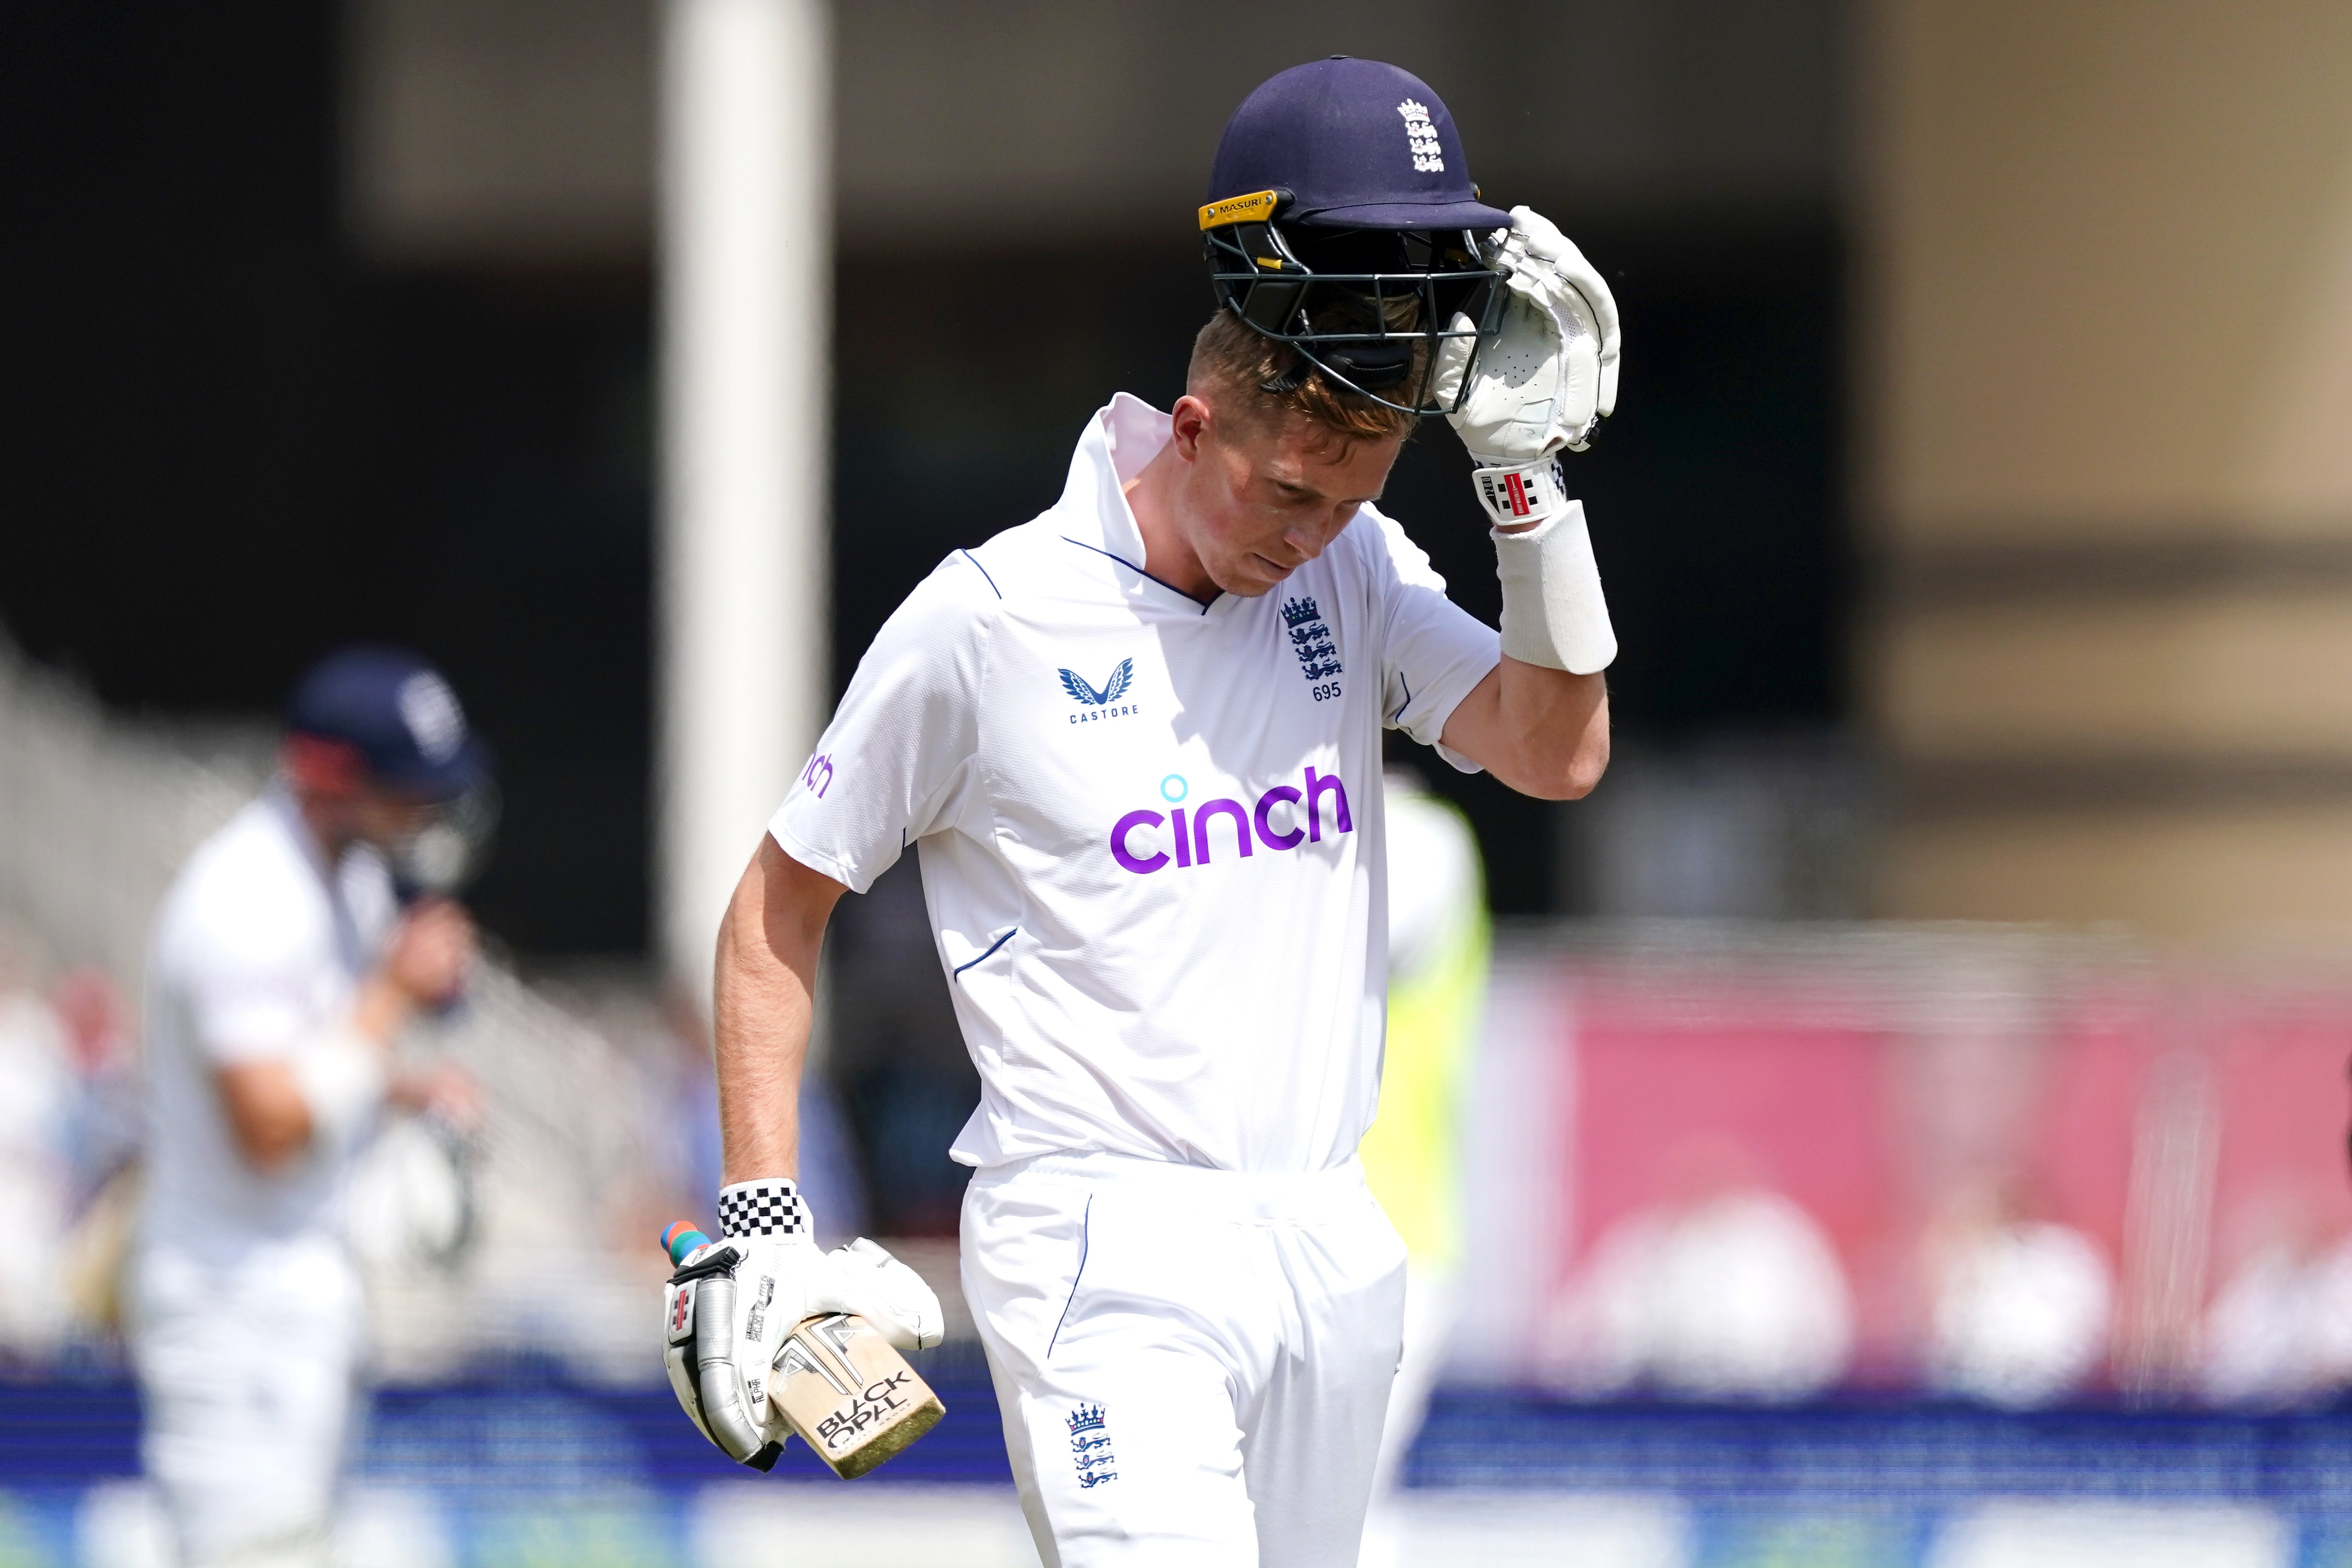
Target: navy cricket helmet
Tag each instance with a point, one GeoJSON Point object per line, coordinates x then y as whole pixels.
{"type": "Point", "coordinates": [1342, 222]}
{"type": "Point", "coordinates": [395, 717]}
{"type": "Point", "coordinates": [383, 718]}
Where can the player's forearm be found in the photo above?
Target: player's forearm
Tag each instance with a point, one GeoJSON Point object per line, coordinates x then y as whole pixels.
{"type": "Point", "coordinates": [329, 1088]}
{"type": "Point", "coordinates": [381, 1009]}
{"type": "Point", "coordinates": [1558, 722]}
{"type": "Point", "coordinates": [269, 1119]}
{"type": "Point", "coordinates": [764, 1004]}
{"type": "Point", "coordinates": [1543, 732]}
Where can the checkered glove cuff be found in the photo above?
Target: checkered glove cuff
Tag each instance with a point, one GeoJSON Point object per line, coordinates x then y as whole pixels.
{"type": "Point", "coordinates": [768, 1206]}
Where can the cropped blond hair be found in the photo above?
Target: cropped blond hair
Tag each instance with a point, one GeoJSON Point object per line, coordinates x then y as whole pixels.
{"type": "Point", "coordinates": [1233, 363]}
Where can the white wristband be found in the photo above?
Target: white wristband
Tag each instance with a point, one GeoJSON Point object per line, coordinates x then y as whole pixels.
{"type": "Point", "coordinates": [1521, 492]}
{"type": "Point", "coordinates": [1553, 614]}
{"type": "Point", "coordinates": [343, 1078]}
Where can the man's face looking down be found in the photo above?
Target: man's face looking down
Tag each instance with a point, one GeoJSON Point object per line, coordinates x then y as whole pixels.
{"type": "Point", "coordinates": [1258, 499]}
{"type": "Point", "coordinates": [386, 818]}
{"type": "Point", "coordinates": [344, 807]}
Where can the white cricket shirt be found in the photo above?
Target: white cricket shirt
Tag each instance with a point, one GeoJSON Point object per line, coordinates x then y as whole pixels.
{"type": "Point", "coordinates": [257, 948]}
{"type": "Point", "coordinates": [1150, 829]}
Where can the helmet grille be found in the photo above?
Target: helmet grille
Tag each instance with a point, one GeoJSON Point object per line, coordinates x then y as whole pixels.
{"type": "Point", "coordinates": [1368, 309]}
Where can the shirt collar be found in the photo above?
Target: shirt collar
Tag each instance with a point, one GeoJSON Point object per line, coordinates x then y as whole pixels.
{"type": "Point", "coordinates": [277, 799]}
{"type": "Point", "coordinates": [1119, 441]}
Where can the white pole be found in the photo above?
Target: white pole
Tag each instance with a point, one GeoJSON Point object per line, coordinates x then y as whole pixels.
{"type": "Point", "coordinates": [746, 291]}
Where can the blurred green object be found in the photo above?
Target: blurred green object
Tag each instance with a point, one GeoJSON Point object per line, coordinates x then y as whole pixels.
{"type": "Point", "coordinates": [1437, 997]}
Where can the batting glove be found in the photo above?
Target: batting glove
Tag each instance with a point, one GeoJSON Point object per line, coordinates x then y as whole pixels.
{"type": "Point", "coordinates": [1546, 380]}
{"type": "Point", "coordinates": [731, 1302]}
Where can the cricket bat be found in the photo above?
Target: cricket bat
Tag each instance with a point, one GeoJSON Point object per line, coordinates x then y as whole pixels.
{"type": "Point", "coordinates": [840, 1384]}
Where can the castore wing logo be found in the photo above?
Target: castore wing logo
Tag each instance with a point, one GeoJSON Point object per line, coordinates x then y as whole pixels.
{"type": "Point", "coordinates": [1085, 696]}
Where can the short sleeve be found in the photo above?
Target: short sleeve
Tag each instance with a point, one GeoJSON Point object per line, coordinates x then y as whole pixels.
{"type": "Point", "coordinates": [897, 760]}
{"type": "Point", "coordinates": [248, 1016]}
{"type": "Point", "coordinates": [1434, 651]}
{"type": "Point", "coordinates": [251, 991]}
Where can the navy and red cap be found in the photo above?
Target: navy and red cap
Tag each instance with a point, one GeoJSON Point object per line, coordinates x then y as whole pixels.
{"type": "Point", "coordinates": [391, 712]}
{"type": "Point", "coordinates": [1347, 138]}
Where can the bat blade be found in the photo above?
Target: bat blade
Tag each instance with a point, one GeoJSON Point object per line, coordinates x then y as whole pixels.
{"type": "Point", "coordinates": [850, 1395]}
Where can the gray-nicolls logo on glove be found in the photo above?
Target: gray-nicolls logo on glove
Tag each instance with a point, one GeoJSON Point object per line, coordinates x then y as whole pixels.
{"type": "Point", "coordinates": [764, 1335]}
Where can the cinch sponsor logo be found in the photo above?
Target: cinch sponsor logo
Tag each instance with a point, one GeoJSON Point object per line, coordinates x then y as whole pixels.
{"type": "Point", "coordinates": [817, 777]}
{"type": "Point", "coordinates": [1191, 843]}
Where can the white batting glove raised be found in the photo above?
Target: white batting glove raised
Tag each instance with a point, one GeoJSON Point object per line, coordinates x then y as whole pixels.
{"type": "Point", "coordinates": [727, 1309]}
{"type": "Point", "coordinates": [1545, 380]}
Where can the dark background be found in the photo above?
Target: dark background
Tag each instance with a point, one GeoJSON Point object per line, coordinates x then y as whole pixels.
{"type": "Point", "coordinates": [233, 443]}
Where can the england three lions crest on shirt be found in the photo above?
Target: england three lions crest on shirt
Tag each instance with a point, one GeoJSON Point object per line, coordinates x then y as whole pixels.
{"type": "Point", "coordinates": [1311, 640]}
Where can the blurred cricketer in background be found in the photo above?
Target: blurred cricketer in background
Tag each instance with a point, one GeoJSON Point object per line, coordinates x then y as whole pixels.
{"type": "Point", "coordinates": [287, 959]}
{"type": "Point", "coordinates": [1440, 941]}
{"type": "Point", "coordinates": [1137, 742]}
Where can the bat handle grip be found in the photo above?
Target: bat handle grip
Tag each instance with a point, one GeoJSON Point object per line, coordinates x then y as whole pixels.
{"type": "Point", "coordinates": [680, 1238]}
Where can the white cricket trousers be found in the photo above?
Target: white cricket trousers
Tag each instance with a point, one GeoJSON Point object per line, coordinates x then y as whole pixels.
{"type": "Point", "coordinates": [246, 1371]}
{"type": "Point", "coordinates": [1429, 1323]}
{"type": "Point", "coordinates": [1192, 1365]}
